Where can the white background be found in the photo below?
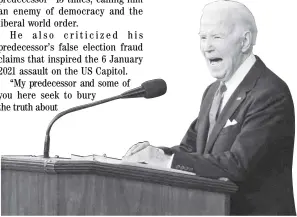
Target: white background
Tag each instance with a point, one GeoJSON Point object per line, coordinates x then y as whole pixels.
{"type": "Point", "coordinates": [171, 52]}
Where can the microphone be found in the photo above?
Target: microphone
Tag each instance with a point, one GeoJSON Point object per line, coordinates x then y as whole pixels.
{"type": "Point", "coordinates": [149, 89]}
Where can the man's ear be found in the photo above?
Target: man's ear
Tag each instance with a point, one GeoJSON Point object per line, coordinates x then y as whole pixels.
{"type": "Point", "coordinates": [246, 42]}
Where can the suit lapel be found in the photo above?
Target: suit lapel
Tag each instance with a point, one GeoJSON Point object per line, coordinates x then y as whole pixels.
{"type": "Point", "coordinates": [235, 100]}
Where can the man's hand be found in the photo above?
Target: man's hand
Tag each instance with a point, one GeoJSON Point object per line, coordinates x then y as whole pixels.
{"type": "Point", "coordinates": [136, 148]}
{"type": "Point", "coordinates": [150, 155]}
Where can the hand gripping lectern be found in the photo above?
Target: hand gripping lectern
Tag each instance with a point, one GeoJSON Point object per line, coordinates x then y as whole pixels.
{"type": "Point", "coordinates": [59, 186]}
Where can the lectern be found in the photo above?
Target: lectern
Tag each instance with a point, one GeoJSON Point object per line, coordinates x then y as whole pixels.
{"type": "Point", "coordinates": [33, 185]}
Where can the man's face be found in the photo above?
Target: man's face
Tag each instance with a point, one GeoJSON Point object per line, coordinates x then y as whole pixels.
{"type": "Point", "coordinates": [220, 43]}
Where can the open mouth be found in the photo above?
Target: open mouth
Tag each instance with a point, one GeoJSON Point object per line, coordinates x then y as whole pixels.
{"type": "Point", "coordinates": [214, 61]}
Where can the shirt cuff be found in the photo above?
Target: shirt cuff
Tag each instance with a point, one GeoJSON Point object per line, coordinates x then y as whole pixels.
{"type": "Point", "coordinates": [170, 161]}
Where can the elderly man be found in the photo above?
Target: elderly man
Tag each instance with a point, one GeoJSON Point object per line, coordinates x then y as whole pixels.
{"type": "Point", "coordinates": [245, 128]}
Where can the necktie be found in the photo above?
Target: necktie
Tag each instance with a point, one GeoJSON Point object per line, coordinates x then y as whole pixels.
{"type": "Point", "coordinates": [215, 107]}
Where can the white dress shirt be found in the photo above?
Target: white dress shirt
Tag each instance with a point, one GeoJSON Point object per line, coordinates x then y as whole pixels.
{"type": "Point", "coordinates": [237, 78]}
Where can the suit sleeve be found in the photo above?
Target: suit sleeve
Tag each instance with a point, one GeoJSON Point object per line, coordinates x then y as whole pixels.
{"type": "Point", "coordinates": [269, 121]}
{"type": "Point", "coordinates": [188, 143]}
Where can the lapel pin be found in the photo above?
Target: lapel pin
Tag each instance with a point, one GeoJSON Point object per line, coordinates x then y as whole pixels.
{"type": "Point", "coordinates": [238, 98]}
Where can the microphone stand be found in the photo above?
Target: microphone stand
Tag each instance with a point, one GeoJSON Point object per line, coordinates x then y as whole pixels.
{"type": "Point", "coordinates": [137, 92]}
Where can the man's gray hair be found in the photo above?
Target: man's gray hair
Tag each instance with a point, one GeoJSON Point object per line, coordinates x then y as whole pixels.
{"type": "Point", "coordinates": [239, 12]}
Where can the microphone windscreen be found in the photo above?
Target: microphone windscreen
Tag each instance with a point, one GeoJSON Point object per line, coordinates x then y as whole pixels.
{"type": "Point", "coordinates": [154, 88]}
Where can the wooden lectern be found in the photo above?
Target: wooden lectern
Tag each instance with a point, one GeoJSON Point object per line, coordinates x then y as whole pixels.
{"type": "Point", "coordinates": [59, 186]}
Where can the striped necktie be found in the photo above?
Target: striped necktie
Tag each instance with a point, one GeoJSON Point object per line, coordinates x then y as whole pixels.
{"type": "Point", "coordinates": [216, 106]}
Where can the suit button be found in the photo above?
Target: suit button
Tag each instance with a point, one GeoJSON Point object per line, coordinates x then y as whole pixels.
{"type": "Point", "coordinates": [177, 167]}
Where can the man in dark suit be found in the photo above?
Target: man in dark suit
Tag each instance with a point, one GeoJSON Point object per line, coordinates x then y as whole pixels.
{"type": "Point", "coordinates": [245, 127]}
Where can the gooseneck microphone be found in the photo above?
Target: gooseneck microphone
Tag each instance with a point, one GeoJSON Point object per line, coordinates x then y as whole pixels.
{"type": "Point", "coordinates": [149, 89]}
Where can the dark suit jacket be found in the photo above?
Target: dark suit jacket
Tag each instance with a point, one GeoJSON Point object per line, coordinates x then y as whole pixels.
{"type": "Point", "coordinates": [256, 153]}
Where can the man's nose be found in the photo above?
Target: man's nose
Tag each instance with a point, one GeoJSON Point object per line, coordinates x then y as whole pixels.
{"type": "Point", "coordinates": [208, 45]}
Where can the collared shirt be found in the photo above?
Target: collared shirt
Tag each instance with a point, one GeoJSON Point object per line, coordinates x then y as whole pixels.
{"type": "Point", "coordinates": [237, 78]}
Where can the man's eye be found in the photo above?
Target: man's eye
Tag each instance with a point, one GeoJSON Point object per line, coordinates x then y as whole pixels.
{"type": "Point", "coordinates": [217, 37]}
{"type": "Point", "coordinates": [202, 37]}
